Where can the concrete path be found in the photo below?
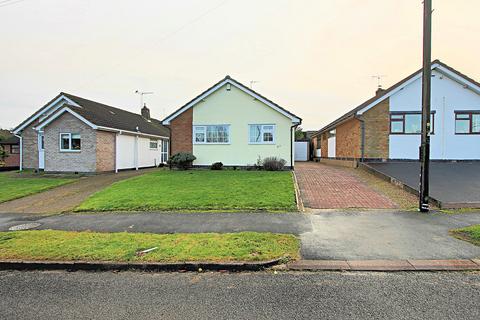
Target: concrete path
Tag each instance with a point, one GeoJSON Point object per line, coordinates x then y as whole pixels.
{"type": "Point", "coordinates": [168, 222]}
{"type": "Point", "coordinates": [331, 187]}
{"type": "Point", "coordinates": [387, 235]}
{"type": "Point", "coordinates": [354, 235]}
{"type": "Point", "coordinates": [65, 198]}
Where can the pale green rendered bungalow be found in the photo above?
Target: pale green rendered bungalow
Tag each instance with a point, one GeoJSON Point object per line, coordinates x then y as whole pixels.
{"type": "Point", "coordinates": [232, 124]}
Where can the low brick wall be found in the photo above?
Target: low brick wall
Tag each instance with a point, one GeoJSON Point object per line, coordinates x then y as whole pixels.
{"type": "Point", "coordinates": [340, 162]}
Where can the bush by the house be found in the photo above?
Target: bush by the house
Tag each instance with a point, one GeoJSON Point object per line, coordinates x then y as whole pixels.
{"type": "Point", "coordinates": [273, 164]}
{"type": "Point", "coordinates": [182, 160]}
{"type": "Point", "coordinates": [217, 166]}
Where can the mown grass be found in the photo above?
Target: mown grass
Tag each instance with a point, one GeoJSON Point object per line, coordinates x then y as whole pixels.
{"type": "Point", "coordinates": [16, 185]}
{"type": "Point", "coordinates": [198, 190]}
{"type": "Point", "coordinates": [470, 234]}
{"type": "Point", "coordinates": [94, 246]}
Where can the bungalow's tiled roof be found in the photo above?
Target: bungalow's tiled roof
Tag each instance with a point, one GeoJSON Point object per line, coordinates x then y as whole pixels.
{"type": "Point", "coordinates": [354, 111]}
{"type": "Point", "coordinates": [107, 116]}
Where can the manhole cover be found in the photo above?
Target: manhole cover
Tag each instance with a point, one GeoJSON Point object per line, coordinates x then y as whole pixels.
{"type": "Point", "coordinates": [25, 226]}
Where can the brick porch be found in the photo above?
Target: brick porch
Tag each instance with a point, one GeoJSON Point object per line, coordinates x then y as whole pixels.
{"type": "Point", "coordinates": [330, 187]}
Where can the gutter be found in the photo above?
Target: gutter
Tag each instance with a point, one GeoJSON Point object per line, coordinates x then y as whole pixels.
{"type": "Point", "coordinates": [121, 131]}
{"type": "Point", "coordinates": [21, 150]}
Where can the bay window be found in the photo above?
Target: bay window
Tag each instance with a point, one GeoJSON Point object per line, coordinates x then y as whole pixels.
{"type": "Point", "coordinates": [262, 134]}
{"type": "Point", "coordinates": [214, 134]}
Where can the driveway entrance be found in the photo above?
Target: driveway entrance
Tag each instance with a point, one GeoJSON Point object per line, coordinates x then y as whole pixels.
{"type": "Point", "coordinates": [330, 187]}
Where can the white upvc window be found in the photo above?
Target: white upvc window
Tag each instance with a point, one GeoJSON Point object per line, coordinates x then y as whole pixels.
{"type": "Point", "coordinates": [70, 142]}
{"type": "Point", "coordinates": [153, 144]}
{"type": "Point", "coordinates": [211, 134]}
{"type": "Point", "coordinates": [261, 134]}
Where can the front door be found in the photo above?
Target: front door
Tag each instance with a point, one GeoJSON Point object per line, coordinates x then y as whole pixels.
{"type": "Point", "coordinates": [41, 151]}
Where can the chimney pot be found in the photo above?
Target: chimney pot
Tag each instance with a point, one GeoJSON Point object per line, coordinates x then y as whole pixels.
{"type": "Point", "coordinates": [379, 91]}
{"type": "Point", "coordinates": [146, 112]}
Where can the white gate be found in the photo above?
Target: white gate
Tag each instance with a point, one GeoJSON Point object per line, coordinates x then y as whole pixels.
{"type": "Point", "coordinates": [301, 150]}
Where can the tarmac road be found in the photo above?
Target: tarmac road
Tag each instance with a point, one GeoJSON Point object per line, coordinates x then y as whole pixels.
{"type": "Point", "coordinates": [264, 295]}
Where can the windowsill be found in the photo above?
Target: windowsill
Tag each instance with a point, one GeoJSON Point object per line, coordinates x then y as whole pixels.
{"type": "Point", "coordinates": [467, 134]}
{"type": "Point", "coordinates": [70, 151]}
{"type": "Point", "coordinates": [262, 143]}
{"type": "Point", "coordinates": [211, 143]}
{"type": "Point", "coordinates": [409, 134]}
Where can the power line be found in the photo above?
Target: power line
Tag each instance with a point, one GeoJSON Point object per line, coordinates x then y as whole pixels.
{"type": "Point", "coordinates": [169, 35]}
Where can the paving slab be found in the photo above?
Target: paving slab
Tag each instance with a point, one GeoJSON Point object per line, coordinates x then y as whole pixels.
{"type": "Point", "coordinates": [443, 264]}
{"type": "Point", "coordinates": [380, 265]}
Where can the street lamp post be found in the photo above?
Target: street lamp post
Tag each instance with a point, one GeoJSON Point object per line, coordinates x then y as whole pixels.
{"type": "Point", "coordinates": [426, 92]}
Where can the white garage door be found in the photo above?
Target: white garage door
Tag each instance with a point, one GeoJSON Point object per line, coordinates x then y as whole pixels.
{"type": "Point", "coordinates": [301, 150]}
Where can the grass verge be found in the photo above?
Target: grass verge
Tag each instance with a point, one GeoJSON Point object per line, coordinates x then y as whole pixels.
{"type": "Point", "coordinates": [94, 246]}
{"type": "Point", "coordinates": [16, 185]}
{"type": "Point", "coordinates": [198, 190]}
{"type": "Point", "coordinates": [470, 234]}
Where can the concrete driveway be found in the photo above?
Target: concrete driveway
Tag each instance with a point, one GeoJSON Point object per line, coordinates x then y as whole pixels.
{"type": "Point", "coordinates": [388, 235]}
{"type": "Point", "coordinates": [65, 198]}
{"type": "Point", "coordinates": [454, 184]}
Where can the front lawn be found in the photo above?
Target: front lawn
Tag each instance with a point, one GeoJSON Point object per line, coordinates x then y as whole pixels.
{"type": "Point", "coordinates": [470, 234]}
{"type": "Point", "coordinates": [94, 246]}
{"type": "Point", "coordinates": [198, 190]}
{"type": "Point", "coordinates": [16, 185]}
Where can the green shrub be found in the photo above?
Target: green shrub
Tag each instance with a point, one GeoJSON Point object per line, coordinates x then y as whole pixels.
{"type": "Point", "coordinates": [273, 164]}
{"type": "Point", "coordinates": [217, 166]}
{"type": "Point", "coordinates": [182, 160]}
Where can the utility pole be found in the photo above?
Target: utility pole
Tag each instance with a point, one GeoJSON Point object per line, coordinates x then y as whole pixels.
{"type": "Point", "coordinates": [426, 92]}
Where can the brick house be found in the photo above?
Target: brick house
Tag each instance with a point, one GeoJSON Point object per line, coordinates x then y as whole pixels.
{"type": "Point", "coordinates": [388, 125]}
{"type": "Point", "coordinates": [73, 134]}
{"type": "Point", "coordinates": [232, 124]}
{"type": "Point", "coordinates": [11, 145]}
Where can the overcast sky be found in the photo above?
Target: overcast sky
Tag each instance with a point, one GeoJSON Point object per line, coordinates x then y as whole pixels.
{"type": "Point", "coordinates": [313, 57]}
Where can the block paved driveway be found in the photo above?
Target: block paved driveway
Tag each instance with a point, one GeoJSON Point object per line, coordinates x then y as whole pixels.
{"type": "Point", "coordinates": [331, 187]}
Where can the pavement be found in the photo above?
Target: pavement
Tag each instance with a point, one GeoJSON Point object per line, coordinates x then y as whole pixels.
{"type": "Point", "coordinates": [451, 183]}
{"type": "Point", "coordinates": [332, 187]}
{"type": "Point", "coordinates": [66, 197]}
{"type": "Point", "coordinates": [331, 235]}
{"type": "Point", "coordinates": [263, 295]}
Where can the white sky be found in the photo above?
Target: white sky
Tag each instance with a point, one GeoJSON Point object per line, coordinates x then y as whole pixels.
{"type": "Point", "coordinates": [313, 57]}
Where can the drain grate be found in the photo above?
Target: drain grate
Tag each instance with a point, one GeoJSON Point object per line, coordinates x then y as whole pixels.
{"type": "Point", "coordinates": [25, 226]}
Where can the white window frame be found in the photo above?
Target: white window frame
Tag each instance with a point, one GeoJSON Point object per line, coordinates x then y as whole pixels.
{"type": "Point", "coordinates": [204, 127]}
{"type": "Point", "coordinates": [69, 142]}
{"type": "Point", "coordinates": [150, 144]}
{"type": "Point", "coordinates": [262, 131]}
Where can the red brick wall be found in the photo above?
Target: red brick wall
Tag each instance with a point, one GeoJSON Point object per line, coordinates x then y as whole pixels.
{"type": "Point", "coordinates": [324, 145]}
{"type": "Point", "coordinates": [348, 139]}
{"type": "Point", "coordinates": [377, 130]}
{"type": "Point", "coordinates": [181, 133]}
{"type": "Point", "coordinates": [13, 160]}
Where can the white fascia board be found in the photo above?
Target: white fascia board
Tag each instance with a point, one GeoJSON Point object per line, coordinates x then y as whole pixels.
{"type": "Point", "coordinates": [458, 78]}
{"type": "Point", "coordinates": [134, 133]}
{"type": "Point", "coordinates": [391, 93]}
{"type": "Point", "coordinates": [218, 86]}
{"type": "Point", "coordinates": [45, 109]}
{"type": "Point", "coordinates": [62, 111]}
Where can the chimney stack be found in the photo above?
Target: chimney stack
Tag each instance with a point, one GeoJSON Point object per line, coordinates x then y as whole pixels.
{"type": "Point", "coordinates": [146, 112]}
{"type": "Point", "coordinates": [379, 91]}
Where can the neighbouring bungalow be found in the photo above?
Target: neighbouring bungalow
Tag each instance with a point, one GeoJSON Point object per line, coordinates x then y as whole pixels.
{"type": "Point", "coordinates": [11, 145]}
{"type": "Point", "coordinates": [232, 124]}
{"type": "Point", "coordinates": [388, 126]}
{"type": "Point", "coordinates": [73, 134]}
